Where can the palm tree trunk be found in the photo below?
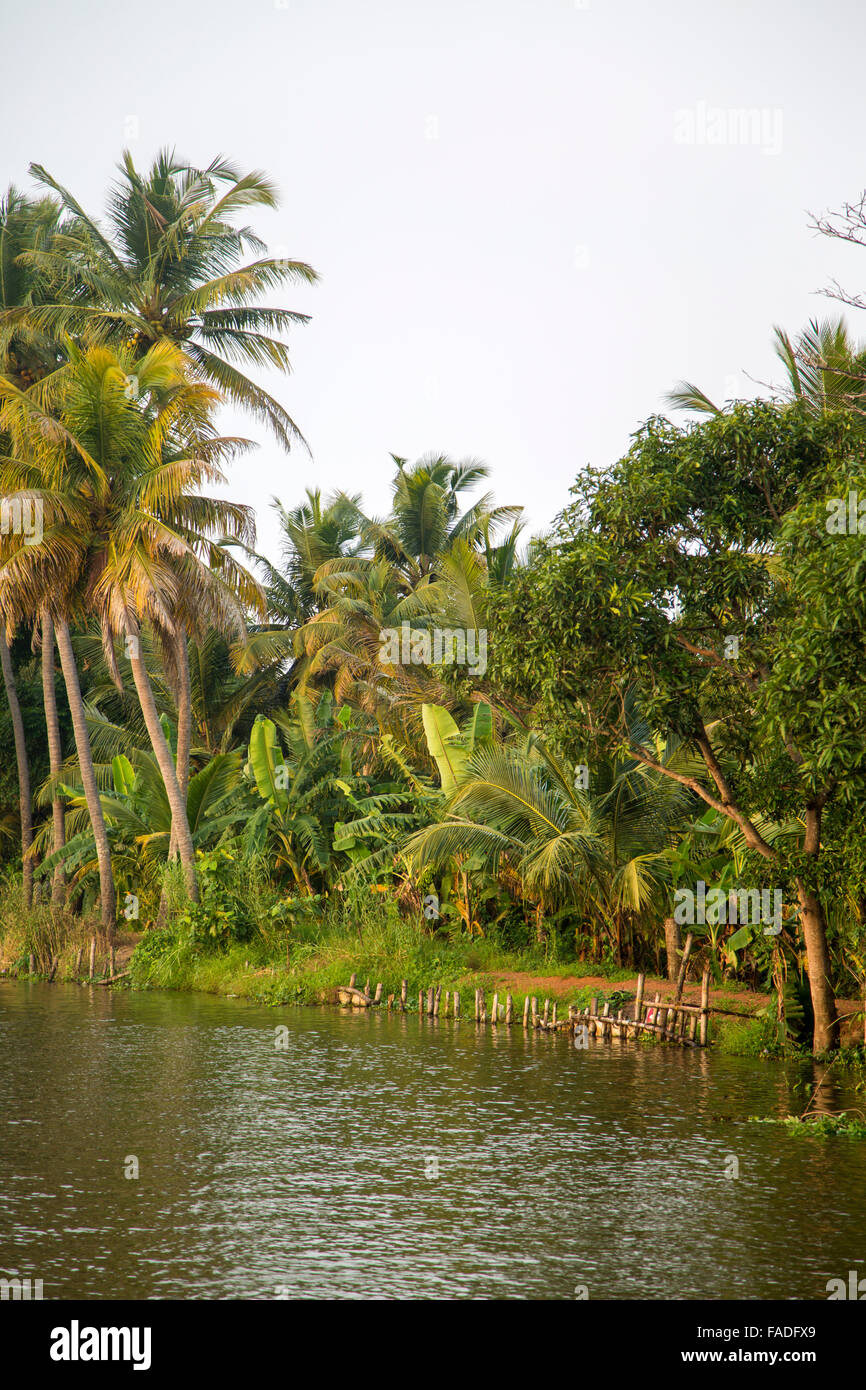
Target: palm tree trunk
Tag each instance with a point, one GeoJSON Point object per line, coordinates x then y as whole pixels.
{"type": "Point", "coordinates": [107, 896]}
{"type": "Point", "coordinates": [184, 743]}
{"type": "Point", "coordinates": [55, 753]}
{"type": "Point", "coordinates": [184, 714]}
{"type": "Point", "coordinates": [24, 801]}
{"type": "Point", "coordinates": [177, 803]}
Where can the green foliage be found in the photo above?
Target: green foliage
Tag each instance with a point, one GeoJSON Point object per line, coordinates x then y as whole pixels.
{"type": "Point", "coordinates": [223, 914]}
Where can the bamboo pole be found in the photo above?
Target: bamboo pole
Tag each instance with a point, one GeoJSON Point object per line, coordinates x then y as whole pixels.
{"type": "Point", "coordinates": [638, 999]}
{"type": "Point", "coordinates": [705, 1005]}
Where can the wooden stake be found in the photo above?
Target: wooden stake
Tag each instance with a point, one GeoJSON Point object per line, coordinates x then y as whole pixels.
{"type": "Point", "coordinates": [705, 1005]}
{"type": "Point", "coordinates": [78, 960]}
{"type": "Point", "coordinates": [352, 983]}
{"type": "Point", "coordinates": [534, 1008]}
{"type": "Point", "coordinates": [420, 1001]}
{"type": "Point", "coordinates": [509, 1009]}
{"type": "Point", "coordinates": [526, 1012]}
{"type": "Point", "coordinates": [483, 1006]}
{"type": "Point", "coordinates": [494, 1013]}
{"type": "Point", "coordinates": [638, 999]}
{"type": "Point", "coordinates": [436, 1001]}
{"type": "Point", "coordinates": [31, 963]}
{"type": "Point", "coordinates": [404, 991]}
{"type": "Point", "coordinates": [377, 997]}
{"type": "Point", "coordinates": [456, 1003]}
{"type": "Point", "coordinates": [447, 1001]}
{"type": "Point", "coordinates": [92, 957]}
{"type": "Point", "coordinates": [554, 1013]}
{"type": "Point", "coordinates": [390, 1001]}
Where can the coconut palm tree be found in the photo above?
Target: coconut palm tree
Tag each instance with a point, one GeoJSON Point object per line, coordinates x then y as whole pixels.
{"type": "Point", "coordinates": [26, 225]}
{"type": "Point", "coordinates": [171, 264]}
{"type": "Point", "coordinates": [22, 762]}
{"type": "Point", "coordinates": [823, 366]}
{"type": "Point", "coordinates": [138, 543]}
{"type": "Point", "coordinates": [602, 848]}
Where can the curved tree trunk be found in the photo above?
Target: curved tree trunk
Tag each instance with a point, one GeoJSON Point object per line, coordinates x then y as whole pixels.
{"type": "Point", "coordinates": [24, 800]}
{"type": "Point", "coordinates": [826, 1034]}
{"type": "Point", "coordinates": [107, 896]}
{"type": "Point", "coordinates": [55, 753]}
{"type": "Point", "coordinates": [177, 802]}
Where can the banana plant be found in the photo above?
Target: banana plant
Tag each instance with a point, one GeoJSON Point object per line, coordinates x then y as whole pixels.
{"type": "Point", "coordinates": [452, 748]}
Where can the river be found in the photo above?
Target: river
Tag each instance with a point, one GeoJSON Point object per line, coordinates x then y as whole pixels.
{"type": "Point", "coordinates": [375, 1155]}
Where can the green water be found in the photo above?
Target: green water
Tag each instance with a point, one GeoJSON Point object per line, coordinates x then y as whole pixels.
{"type": "Point", "coordinates": [378, 1156]}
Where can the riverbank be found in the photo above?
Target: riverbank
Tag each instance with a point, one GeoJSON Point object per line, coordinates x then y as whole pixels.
{"type": "Point", "coordinates": [308, 965]}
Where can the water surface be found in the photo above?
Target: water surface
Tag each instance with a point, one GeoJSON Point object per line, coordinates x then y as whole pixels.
{"type": "Point", "coordinates": [376, 1155]}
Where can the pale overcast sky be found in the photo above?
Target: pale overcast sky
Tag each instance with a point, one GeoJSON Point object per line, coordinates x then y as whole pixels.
{"type": "Point", "coordinates": [531, 217]}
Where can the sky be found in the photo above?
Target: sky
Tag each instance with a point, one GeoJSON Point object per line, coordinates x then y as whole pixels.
{"type": "Point", "coordinates": [531, 218]}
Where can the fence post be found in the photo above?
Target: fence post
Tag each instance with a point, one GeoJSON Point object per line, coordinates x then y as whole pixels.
{"type": "Point", "coordinates": [705, 1007]}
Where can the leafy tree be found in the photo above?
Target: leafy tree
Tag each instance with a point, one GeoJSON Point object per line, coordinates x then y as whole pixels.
{"type": "Point", "coordinates": [692, 575]}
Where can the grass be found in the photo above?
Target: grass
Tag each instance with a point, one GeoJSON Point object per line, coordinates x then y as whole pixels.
{"type": "Point", "coordinates": [373, 942]}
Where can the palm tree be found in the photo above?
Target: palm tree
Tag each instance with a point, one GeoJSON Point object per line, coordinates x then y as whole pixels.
{"type": "Point", "coordinates": [171, 264]}
{"type": "Point", "coordinates": [602, 849]}
{"type": "Point", "coordinates": [55, 753]}
{"type": "Point", "coordinates": [23, 764]}
{"type": "Point", "coordinates": [27, 225]}
{"type": "Point", "coordinates": [824, 367]}
{"type": "Point", "coordinates": [426, 518]}
{"type": "Point", "coordinates": [126, 467]}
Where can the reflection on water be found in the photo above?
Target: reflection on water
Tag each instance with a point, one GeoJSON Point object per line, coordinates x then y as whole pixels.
{"type": "Point", "coordinates": [376, 1155]}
